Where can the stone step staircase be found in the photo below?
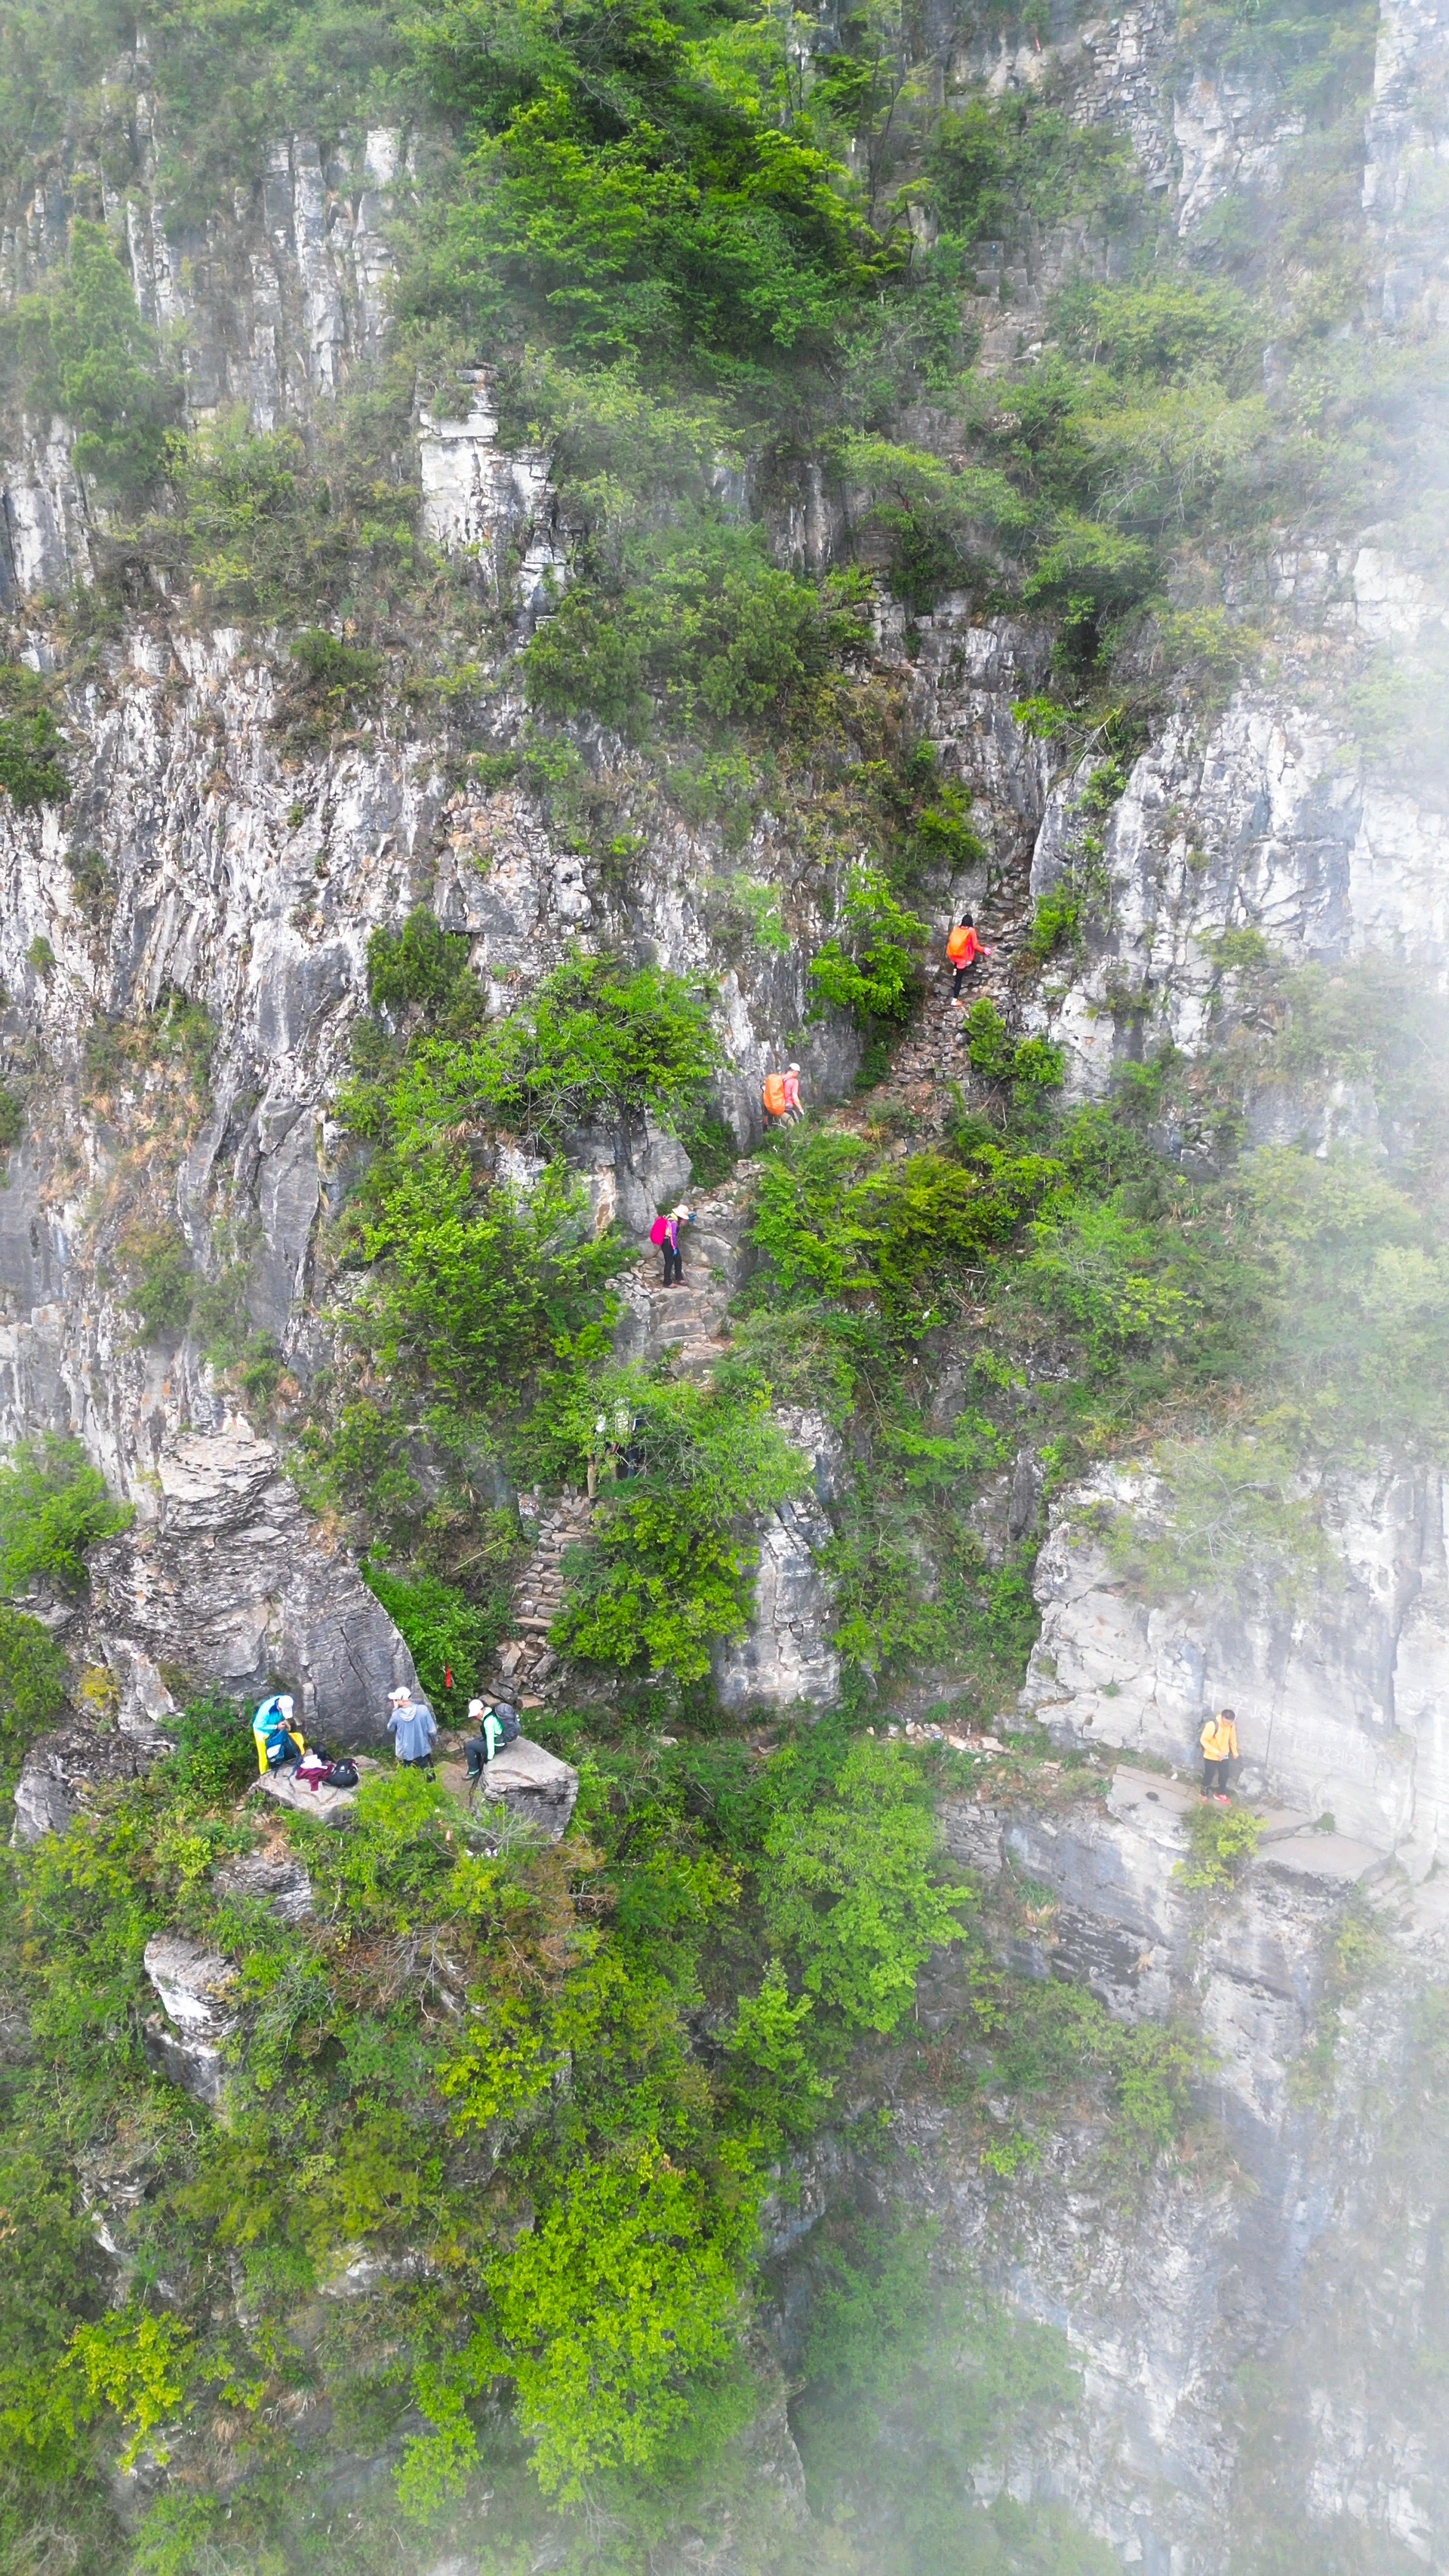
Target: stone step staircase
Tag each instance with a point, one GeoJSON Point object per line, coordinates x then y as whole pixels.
{"type": "Point", "coordinates": [689, 1321]}
{"type": "Point", "coordinates": [527, 1668]}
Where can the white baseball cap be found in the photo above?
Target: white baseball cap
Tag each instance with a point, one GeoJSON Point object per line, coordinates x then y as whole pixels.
{"type": "Point", "coordinates": [402, 1692]}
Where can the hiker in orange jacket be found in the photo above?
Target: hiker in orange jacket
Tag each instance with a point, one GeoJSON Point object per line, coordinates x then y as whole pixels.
{"type": "Point", "coordinates": [776, 1099]}
{"type": "Point", "coordinates": [964, 950]}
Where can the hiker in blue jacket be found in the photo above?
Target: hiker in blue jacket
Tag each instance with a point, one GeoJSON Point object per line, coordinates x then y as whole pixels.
{"type": "Point", "coordinates": [413, 1727]}
{"type": "Point", "coordinates": [278, 1739]}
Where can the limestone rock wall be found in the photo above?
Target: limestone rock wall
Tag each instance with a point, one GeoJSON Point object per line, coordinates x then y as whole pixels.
{"type": "Point", "coordinates": [1341, 1691]}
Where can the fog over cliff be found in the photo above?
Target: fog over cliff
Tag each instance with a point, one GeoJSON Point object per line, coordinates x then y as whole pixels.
{"type": "Point", "coordinates": [550, 556]}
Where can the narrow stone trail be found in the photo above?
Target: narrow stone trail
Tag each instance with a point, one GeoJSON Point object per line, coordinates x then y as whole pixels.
{"type": "Point", "coordinates": [527, 1666]}
{"type": "Point", "coordinates": [931, 1056]}
{"type": "Point", "coordinates": [690, 1321]}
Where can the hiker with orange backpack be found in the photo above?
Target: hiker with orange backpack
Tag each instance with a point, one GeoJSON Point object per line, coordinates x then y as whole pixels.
{"type": "Point", "coordinates": [794, 1105]}
{"type": "Point", "coordinates": [964, 950]}
{"type": "Point", "coordinates": [776, 1099]}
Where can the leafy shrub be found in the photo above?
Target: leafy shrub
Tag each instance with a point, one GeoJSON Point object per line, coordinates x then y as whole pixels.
{"type": "Point", "coordinates": [12, 1118]}
{"type": "Point", "coordinates": [1168, 329]}
{"type": "Point", "coordinates": [666, 1578]}
{"type": "Point", "coordinates": [32, 770]}
{"type": "Point", "coordinates": [81, 349]}
{"type": "Point", "coordinates": [873, 970]}
{"type": "Point", "coordinates": [663, 222]}
{"type": "Point", "coordinates": [1033, 1063]}
{"type": "Point", "coordinates": [1224, 1840]}
{"type": "Point", "coordinates": [473, 1288]}
{"type": "Point", "coordinates": [713, 633]}
{"type": "Point", "coordinates": [160, 1281]}
{"type": "Point", "coordinates": [1232, 1510]}
{"type": "Point", "coordinates": [41, 955]}
{"type": "Point", "coordinates": [33, 1680]}
{"type": "Point", "coordinates": [271, 532]}
{"type": "Point", "coordinates": [995, 162]}
{"type": "Point", "coordinates": [830, 1227]}
{"type": "Point", "coordinates": [597, 1040]}
{"type": "Point", "coordinates": [1055, 923]}
{"type": "Point", "coordinates": [849, 1894]}
{"type": "Point", "coordinates": [1109, 1276]}
{"type": "Point", "coordinates": [336, 675]}
{"type": "Point", "coordinates": [444, 1631]}
{"type": "Point", "coordinates": [625, 2291]}
{"type": "Point", "coordinates": [53, 1507]}
{"type": "Point", "coordinates": [215, 1756]}
{"type": "Point", "coordinates": [420, 965]}
{"type": "Point", "coordinates": [941, 522]}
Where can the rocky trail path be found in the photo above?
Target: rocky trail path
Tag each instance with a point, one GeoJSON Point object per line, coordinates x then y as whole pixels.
{"type": "Point", "coordinates": [932, 1054]}
{"type": "Point", "coordinates": [688, 1323]}
{"type": "Point", "coordinates": [527, 1668]}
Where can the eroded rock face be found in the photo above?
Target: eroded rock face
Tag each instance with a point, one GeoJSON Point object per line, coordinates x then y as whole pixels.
{"type": "Point", "coordinates": [533, 1785]}
{"type": "Point", "coordinates": [63, 1770]}
{"type": "Point", "coordinates": [195, 1987]}
{"type": "Point", "coordinates": [787, 1656]}
{"type": "Point", "coordinates": [1342, 1694]}
{"type": "Point", "coordinates": [232, 1584]}
{"type": "Point", "coordinates": [283, 1886]}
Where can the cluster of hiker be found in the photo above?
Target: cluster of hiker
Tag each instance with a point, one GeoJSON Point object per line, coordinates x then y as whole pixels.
{"type": "Point", "coordinates": [281, 1746]}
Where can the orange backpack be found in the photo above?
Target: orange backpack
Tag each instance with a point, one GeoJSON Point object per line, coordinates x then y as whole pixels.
{"type": "Point", "coordinates": [775, 1094]}
{"type": "Point", "coordinates": [961, 946]}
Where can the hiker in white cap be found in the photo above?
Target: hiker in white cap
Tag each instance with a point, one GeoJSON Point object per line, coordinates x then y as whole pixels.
{"type": "Point", "coordinates": [665, 1237]}
{"type": "Point", "coordinates": [794, 1105]}
{"type": "Point", "coordinates": [413, 1726]}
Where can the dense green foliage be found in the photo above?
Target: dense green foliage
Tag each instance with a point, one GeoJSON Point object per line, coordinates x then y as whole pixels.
{"type": "Point", "coordinates": [800, 1892]}
{"type": "Point", "coordinates": [32, 765]}
{"type": "Point", "coordinates": [450, 1635]}
{"type": "Point", "coordinates": [666, 1578]}
{"type": "Point", "coordinates": [524, 2105]}
{"type": "Point", "coordinates": [82, 350]}
{"type": "Point", "coordinates": [53, 1507]}
{"type": "Point", "coordinates": [34, 1682]}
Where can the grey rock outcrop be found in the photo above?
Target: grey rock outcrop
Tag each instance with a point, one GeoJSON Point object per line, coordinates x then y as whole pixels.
{"type": "Point", "coordinates": [1230, 2254]}
{"type": "Point", "coordinates": [786, 1657]}
{"type": "Point", "coordinates": [63, 1771]}
{"type": "Point", "coordinates": [232, 1585]}
{"type": "Point", "coordinates": [1339, 1692]}
{"type": "Point", "coordinates": [282, 1885]}
{"type": "Point", "coordinates": [533, 1786]}
{"type": "Point", "coordinates": [196, 1988]}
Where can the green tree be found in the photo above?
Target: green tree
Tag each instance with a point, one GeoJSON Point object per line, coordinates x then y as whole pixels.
{"type": "Point", "coordinates": [82, 349]}
{"type": "Point", "coordinates": [849, 1891]}
{"type": "Point", "coordinates": [53, 1507]}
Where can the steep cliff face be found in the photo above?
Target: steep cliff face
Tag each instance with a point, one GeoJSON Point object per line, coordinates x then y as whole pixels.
{"type": "Point", "coordinates": [204, 853]}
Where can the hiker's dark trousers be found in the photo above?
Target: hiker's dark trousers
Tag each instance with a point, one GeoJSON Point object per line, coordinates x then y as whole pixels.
{"type": "Point", "coordinates": [673, 1266]}
{"type": "Point", "coordinates": [1215, 1775]}
{"type": "Point", "coordinates": [961, 975]}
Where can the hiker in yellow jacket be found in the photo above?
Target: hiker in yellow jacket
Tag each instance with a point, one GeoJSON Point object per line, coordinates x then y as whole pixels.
{"type": "Point", "coordinates": [1219, 1741]}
